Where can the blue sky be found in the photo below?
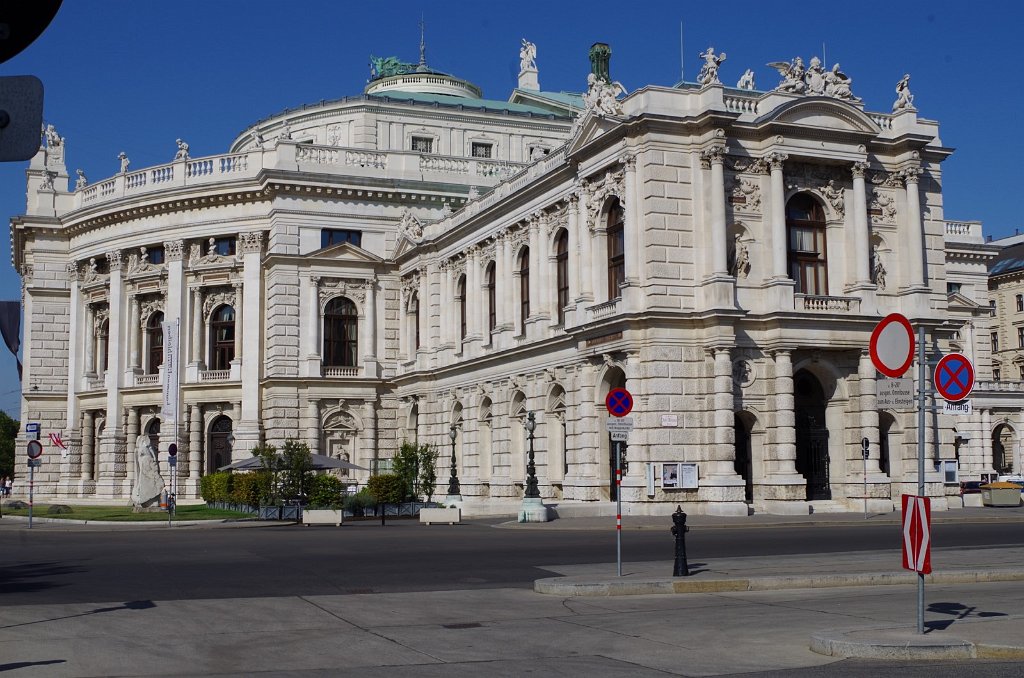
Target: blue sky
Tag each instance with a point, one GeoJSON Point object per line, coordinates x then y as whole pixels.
{"type": "Point", "coordinates": [134, 76]}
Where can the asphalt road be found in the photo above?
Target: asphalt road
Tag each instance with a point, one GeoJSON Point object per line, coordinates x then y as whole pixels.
{"type": "Point", "coordinates": [79, 566]}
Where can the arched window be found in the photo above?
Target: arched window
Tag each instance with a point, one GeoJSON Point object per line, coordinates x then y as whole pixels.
{"type": "Point", "coordinates": [562, 273]}
{"type": "Point", "coordinates": [524, 288]}
{"type": "Point", "coordinates": [155, 337]}
{"type": "Point", "coordinates": [805, 224]}
{"type": "Point", "coordinates": [341, 327]}
{"type": "Point", "coordinates": [616, 249]}
{"type": "Point", "coordinates": [492, 299]}
{"type": "Point", "coordinates": [222, 338]}
{"type": "Point", "coordinates": [460, 297]}
{"type": "Point", "coordinates": [153, 431]}
{"type": "Point", "coordinates": [414, 303]}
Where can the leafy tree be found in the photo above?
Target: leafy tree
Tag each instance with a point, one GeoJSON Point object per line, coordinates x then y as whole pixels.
{"type": "Point", "coordinates": [8, 432]}
{"type": "Point", "coordinates": [406, 465]}
{"type": "Point", "coordinates": [428, 469]}
{"type": "Point", "coordinates": [297, 464]}
{"type": "Point", "coordinates": [387, 488]}
{"type": "Point", "coordinates": [271, 462]}
{"type": "Point", "coordinates": [325, 491]}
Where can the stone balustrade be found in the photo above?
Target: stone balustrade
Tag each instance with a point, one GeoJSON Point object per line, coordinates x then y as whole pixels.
{"type": "Point", "coordinates": [826, 304]}
{"type": "Point", "coordinates": [341, 371]}
{"type": "Point", "coordinates": [882, 120]}
{"type": "Point", "coordinates": [963, 230]}
{"type": "Point", "coordinates": [147, 379]}
{"type": "Point", "coordinates": [1010, 386]}
{"type": "Point", "coordinates": [215, 375]}
{"type": "Point", "coordinates": [740, 104]}
{"type": "Point", "coordinates": [605, 309]}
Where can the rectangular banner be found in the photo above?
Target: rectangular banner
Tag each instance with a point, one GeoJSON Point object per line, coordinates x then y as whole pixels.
{"type": "Point", "coordinates": [170, 403]}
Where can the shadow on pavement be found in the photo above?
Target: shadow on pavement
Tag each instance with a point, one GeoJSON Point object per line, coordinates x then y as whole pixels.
{"type": "Point", "coordinates": [130, 605]}
{"type": "Point", "coordinates": [958, 611]}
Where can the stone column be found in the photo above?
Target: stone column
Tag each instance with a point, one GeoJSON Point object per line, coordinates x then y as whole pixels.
{"type": "Point", "coordinates": [862, 259]}
{"type": "Point", "coordinates": [90, 340]}
{"type": "Point", "coordinates": [75, 333]}
{"type": "Point", "coordinates": [574, 245]}
{"type": "Point", "coordinates": [598, 260]}
{"type": "Point", "coordinates": [370, 353]}
{"type": "Point", "coordinates": [472, 291]}
{"type": "Point", "coordinates": [585, 239]}
{"type": "Point", "coordinates": [449, 310]}
{"type": "Point", "coordinates": [869, 409]}
{"type": "Point", "coordinates": [424, 309]}
{"type": "Point", "coordinates": [88, 445]}
{"type": "Point", "coordinates": [720, 461]}
{"type": "Point", "coordinates": [195, 441]}
{"type": "Point", "coordinates": [250, 298]}
{"type": "Point", "coordinates": [778, 215]}
{"type": "Point", "coordinates": [631, 227]}
{"type": "Point", "coordinates": [313, 325]}
{"type": "Point", "coordinates": [112, 441]}
{"type": "Point", "coordinates": [917, 255]}
{"type": "Point", "coordinates": [480, 293]}
{"type": "Point", "coordinates": [133, 435]}
{"type": "Point", "coordinates": [986, 440]}
{"type": "Point", "coordinates": [197, 325]}
{"type": "Point", "coordinates": [239, 326]}
{"type": "Point", "coordinates": [313, 419]}
{"type": "Point", "coordinates": [715, 157]}
{"type": "Point", "coordinates": [134, 322]}
{"type": "Point", "coordinates": [785, 416]}
{"type": "Point", "coordinates": [545, 289]}
{"type": "Point", "coordinates": [506, 310]}
{"type": "Point", "coordinates": [534, 226]}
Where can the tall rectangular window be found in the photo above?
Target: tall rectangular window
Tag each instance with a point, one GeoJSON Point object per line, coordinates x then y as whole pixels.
{"type": "Point", "coordinates": [1020, 303]}
{"type": "Point", "coordinates": [995, 342]}
{"type": "Point", "coordinates": [423, 144]}
{"type": "Point", "coordinates": [1020, 337]}
{"type": "Point", "coordinates": [335, 236]}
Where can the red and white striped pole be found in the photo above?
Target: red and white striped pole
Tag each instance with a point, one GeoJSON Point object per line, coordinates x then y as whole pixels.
{"type": "Point", "coordinates": [618, 507]}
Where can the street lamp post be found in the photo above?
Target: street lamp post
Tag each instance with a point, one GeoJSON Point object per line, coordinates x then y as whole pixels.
{"type": "Point", "coordinates": [454, 491]}
{"type": "Point", "coordinates": [532, 509]}
{"type": "Point", "coordinates": [531, 468]}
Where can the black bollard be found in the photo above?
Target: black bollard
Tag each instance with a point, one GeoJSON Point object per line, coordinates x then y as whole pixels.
{"type": "Point", "coordinates": [679, 530]}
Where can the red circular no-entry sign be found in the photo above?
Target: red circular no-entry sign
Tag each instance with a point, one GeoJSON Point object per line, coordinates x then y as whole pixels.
{"type": "Point", "coordinates": [34, 449]}
{"type": "Point", "coordinates": [619, 402]}
{"type": "Point", "coordinates": [954, 377]}
{"type": "Point", "coordinates": [892, 345]}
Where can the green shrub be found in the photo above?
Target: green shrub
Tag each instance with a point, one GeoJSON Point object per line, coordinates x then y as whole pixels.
{"type": "Point", "coordinates": [251, 488]}
{"type": "Point", "coordinates": [216, 486]}
{"type": "Point", "coordinates": [325, 491]}
{"type": "Point", "coordinates": [387, 488]}
{"type": "Point", "coordinates": [356, 503]}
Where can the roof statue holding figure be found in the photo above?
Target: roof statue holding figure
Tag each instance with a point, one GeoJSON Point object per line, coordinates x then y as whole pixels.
{"type": "Point", "coordinates": [384, 67]}
{"type": "Point", "coordinates": [709, 71]}
{"type": "Point", "coordinates": [528, 66]}
{"type": "Point", "coordinates": [746, 80]}
{"type": "Point", "coordinates": [602, 92]}
{"type": "Point", "coordinates": [904, 99]}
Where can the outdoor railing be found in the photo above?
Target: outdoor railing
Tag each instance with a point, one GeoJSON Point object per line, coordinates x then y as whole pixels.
{"type": "Point", "coordinates": [1012, 386]}
{"type": "Point", "coordinates": [808, 302]}
{"type": "Point", "coordinates": [341, 371]}
{"type": "Point", "coordinates": [147, 379]}
{"type": "Point", "coordinates": [215, 375]}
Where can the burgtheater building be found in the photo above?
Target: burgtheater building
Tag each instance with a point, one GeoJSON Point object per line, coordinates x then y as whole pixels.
{"type": "Point", "coordinates": [419, 260]}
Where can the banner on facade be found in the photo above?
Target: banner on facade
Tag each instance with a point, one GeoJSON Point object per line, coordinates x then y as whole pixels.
{"type": "Point", "coordinates": [170, 406]}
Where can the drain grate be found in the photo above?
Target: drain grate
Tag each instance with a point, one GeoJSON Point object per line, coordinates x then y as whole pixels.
{"type": "Point", "coordinates": [470, 625]}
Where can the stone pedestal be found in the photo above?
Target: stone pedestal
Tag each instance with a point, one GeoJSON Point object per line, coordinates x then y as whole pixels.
{"type": "Point", "coordinates": [533, 511]}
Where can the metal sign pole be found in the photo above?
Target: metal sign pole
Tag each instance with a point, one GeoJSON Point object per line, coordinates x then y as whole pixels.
{"type": "Point", "coordinates": [618, 507]}
{"type": "Point", "coordinates": [920, 460]}
{"type": "Point", "coordinates": [31, 490]}
{"type": "Point", "coordinates": [865, 485]}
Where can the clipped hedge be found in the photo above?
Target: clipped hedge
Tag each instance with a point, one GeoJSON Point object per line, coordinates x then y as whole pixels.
{"type": "Point", "coordinates": [251, 489]}
{"type": "Point", "coordinates": [325, 491]}
{"type": "Point", "coordinates": [216, 486]}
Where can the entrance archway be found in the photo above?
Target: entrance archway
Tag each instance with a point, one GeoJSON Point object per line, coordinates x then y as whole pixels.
{"type": "Point", "coordinates": [812, 458]}
{"type": "Point", "coordinates": [743, 462]}
{"type": "Point", "coordinates": [886, 422]}
{"type": "Point", "coordinates": [613, 378]}
{"type": "Point", "coordinates": [1002, 449]}
{"type": "Point", "coordinates": [220, 444]}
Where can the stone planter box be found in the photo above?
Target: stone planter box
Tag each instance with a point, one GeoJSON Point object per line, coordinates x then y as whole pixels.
{"type": "Point", "coordinates": [322, 517]}
{"type": "Point", "coordinates": [440, 515]}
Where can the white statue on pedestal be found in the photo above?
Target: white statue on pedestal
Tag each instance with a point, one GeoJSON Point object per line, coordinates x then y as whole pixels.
{"type": "Point", "coordinates": [746, 81]}
{"type": "Point", "coordinates": [527, 56]}
{"type": "Point", "coordinates": [709, 71]}
{"type": "Point", "coordinates": [148, 481]}
{"type": "Point", "coordinates": [904, 99]}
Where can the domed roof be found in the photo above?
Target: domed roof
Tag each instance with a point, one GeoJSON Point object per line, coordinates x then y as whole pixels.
{"type": "Point", "coordinates": [389, 74]}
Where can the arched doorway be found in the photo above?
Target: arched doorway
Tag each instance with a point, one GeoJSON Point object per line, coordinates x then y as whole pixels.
{"type": "Point", "coordinates": [743, 462]}
{"type": "Point", "coordinates": [1002, 449]}
{"type": "Point", "coordinates": [811, 435]}
{"type": "Point", "coordinates": [220, 444]}
{"type": "Point", "coordinates": [153, 431]}
{"type": "Point", "coordinates": [614, 378]}
{"type": "Point", "coordinates": [886, 422]}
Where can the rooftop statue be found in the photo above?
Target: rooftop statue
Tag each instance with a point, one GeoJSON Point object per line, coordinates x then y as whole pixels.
{"type": "Point", "coordinates": [383, 67]}
{"type": "Point", "coordinates": [813, 80]}
{"type": "Point", "coordinates": [54, 145]}
{"type": "Point", "coordinates": [123, 157]}
{"type": "Point", "coordinates": [709, 71]}
{"type": "Point", "coordinates": [182, 153]}
{"type": "Point", "coordinates": [602, 97]}
{"type": "Point", "coordinates": [746, 81]}
{"type": "Point", "coordinates": [527, 56]}
{"type": "Point", "coordinates": [904, 99]}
